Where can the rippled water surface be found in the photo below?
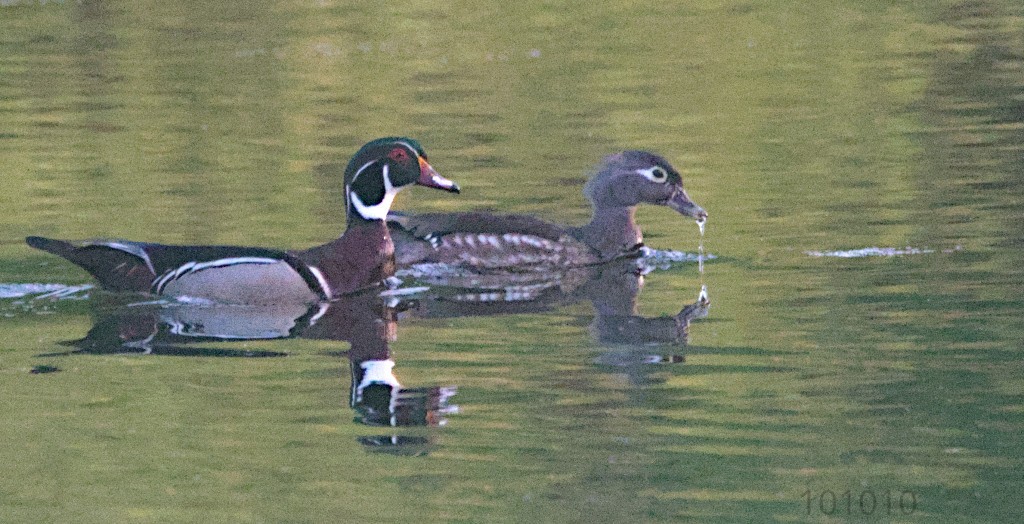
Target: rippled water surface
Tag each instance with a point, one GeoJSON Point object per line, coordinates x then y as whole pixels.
{"type": "Point", "coordinates": [861, 164]}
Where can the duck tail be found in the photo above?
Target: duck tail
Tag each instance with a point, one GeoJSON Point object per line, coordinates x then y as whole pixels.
{"type": "Point", "coordinates": [60, 248]}
{"type": "Point", "coordinates": [116, 268]}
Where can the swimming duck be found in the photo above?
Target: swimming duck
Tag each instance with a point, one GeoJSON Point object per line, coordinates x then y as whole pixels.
{"type": "Point", "coordinates": [362, 257]}
{"type": "Point", "coordinates": [487, 241]}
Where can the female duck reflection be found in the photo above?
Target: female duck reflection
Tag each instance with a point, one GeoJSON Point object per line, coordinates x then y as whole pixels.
{"type": "Point", "coordinates": [613, 288]}
{"type": "Point", "coordinates": [366, 321]}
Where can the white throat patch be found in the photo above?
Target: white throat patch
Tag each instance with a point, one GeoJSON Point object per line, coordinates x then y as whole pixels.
{"type": "Point", "coordinates": [380, 210]}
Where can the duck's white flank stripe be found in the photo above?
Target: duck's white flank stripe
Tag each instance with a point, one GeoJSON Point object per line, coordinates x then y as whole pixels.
{"type": "Point", "coordinates": [131, 249]}
{"type": "Point", "coordinates": [192, 267]}
{"type": "Point", "coordinates": [321, 280]}
{"type": "Point", "coordinates": [142, 344]}
{"type": "Point", "coordinates": [234, 261]}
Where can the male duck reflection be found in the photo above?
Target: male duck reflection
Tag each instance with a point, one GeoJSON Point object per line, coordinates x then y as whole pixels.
{"type": "Point", "coordinates": [485, 241]}
{"type": "Point", "coordinates": [362, 257]}
{"type": "Point", "coordinates": [363, 320]}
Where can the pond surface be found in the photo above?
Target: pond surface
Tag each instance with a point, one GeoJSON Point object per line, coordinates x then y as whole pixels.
{"type": "Point", "coordinates": [862, 166]}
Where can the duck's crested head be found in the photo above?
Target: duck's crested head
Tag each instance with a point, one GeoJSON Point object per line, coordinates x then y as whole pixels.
{"type": "Point", "coordinates": [405, 159]}
{"type": "Point", "coordinates": [381, 168]}
{"type": "Point", "coordinates": [634, 177]}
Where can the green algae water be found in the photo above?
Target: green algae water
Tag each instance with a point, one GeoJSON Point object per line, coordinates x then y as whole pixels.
{"type": "Point", "coordinates": [859, 361]}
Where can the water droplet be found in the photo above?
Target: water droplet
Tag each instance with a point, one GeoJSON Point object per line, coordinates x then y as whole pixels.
{"type": "Point", "coordinates": [700, 249]}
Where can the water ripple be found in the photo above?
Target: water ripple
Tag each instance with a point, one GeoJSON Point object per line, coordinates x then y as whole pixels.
{"type": "Point", "coordinates": [878, 252]}
{"type": "Point", "coordinates": [36, 291]}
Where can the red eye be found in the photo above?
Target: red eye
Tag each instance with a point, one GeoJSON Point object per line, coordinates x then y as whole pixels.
{"type": "Point", "coordinates": [399, 155]}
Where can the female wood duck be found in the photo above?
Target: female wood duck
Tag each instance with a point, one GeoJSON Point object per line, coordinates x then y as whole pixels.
{"type": "Point", "coordinates": [362, 257]}
{"type": "Point", "coordinates": [485, 241]}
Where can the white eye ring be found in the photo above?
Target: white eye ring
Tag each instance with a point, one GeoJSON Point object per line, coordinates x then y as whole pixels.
{"type": "Point", "coordinates": [654, 174]}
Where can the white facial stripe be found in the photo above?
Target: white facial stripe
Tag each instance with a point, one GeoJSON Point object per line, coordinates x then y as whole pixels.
{"type": "Point", "coordinates": [654, 174]}
{"type": "Point", "coordinates": [348, 188]}
{"type": "Point", "coordinates": [361, 169]}
{"type": "Point", "coordinates": [412, 149]}
{"type": "Point", "coordinates": [378, 211]}
{"type": "Point", "coordinates": [385, 174]}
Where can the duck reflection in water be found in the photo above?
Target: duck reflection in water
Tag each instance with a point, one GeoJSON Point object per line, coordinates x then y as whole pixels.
{"type": "Point", "coordinates": [613, 288]}
{"type": "Point", "coordinates": [366, 321]}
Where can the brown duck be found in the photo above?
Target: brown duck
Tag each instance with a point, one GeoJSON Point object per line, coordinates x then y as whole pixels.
{"type": "Point", "coordinates": [487, 241]}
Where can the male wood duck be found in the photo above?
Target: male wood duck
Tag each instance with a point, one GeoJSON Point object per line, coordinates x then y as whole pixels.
{"type": "Point", "coordinates": [486, 241]}
{"type": "Point", "coordinates": [362, 257]}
